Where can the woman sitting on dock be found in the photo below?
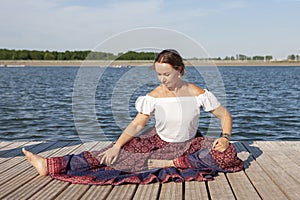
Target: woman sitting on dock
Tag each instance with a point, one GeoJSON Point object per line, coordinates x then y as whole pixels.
{"type": "Point", "coordinates": [173, 150]}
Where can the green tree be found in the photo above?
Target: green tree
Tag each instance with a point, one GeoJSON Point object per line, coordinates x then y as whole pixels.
{"type": "Point", "coordinates": [258, 58]}
{"type": "Point", "coordinates": [241, 57]}
{"type": "Point", "coordinates": [36, 55]}
{"type": "Point", "coordinates": [22, 55]}
{"type": "Point", "coordinates": [268, 58]}
{"type": "Point", "coordinates": [61, 56]}
{"type": "Point", "coordinates": [49, 56]}
{"type": "Point", "coordinates": [291, 57]}
{"type": "Point", "coordinates": [5, 54]}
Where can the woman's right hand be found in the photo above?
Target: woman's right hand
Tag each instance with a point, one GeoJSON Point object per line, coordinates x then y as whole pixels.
{"type": "Point", "coordinates": [110, 155]}
{"type": "Point", "coordinates": [220, 144]}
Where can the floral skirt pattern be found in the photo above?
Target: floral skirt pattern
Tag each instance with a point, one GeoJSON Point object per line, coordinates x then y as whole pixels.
{"type": "Point", "coordinates": [194, 160]}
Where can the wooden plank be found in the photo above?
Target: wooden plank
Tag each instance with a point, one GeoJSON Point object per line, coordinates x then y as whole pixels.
{"type": "Point", "coordinates": [220, 188]}
{"type": "Point", "coordinates": [49, 191]}
{"type": "Point", "coordinates": [19, 156]}
{"type": "Point", "coordinates": [171, 190]}
{"type": "Point", "coordinates": [287, 164]}
{"type": "Point", "coordinates": [4, 144]}
{"type": "Point", "coordinates": [10, 146]}
{"type": "Point", "coordinates": [97, 192]}
{"type": "Point", "coordinates": [15, 183]}
{"type": "Point", "coordinates": [22, 173]}
{"type": "Point", "coordinates": [266, 174]}
{"type": "Point", "coordinates": [124, 192]}
{"type": "Point", "coordinates": [66, 189]}
{"type": "Point", "coordinates": [150, 192]}
{"type": "Point", "coordinates": [28, 186]}
{"type": "Point", "coordinates": [55, 187]}
{"type": "Point", "coordinates": [22, 183]}
{"type": "Point", "coordinates": [260, 180]}
{"type": "Point", "coordinates": [291, 152]}
{"type": "Point", "coordinates": [12, 150]}
{"type": "Point", "coordinates": [97, 147]}
{"type": "Point", "coordinates": [285, 182]}
{"type": "Point", "coordinates": [288, 145]}
{"type": "Point", "coordinates": [195, 190]}
{"type": "Point", "coordinates": [10, 172]}
{"type": "Point", "coordinates": [241, 186]}
{"type": "Point", "coordinates": [74, 191]}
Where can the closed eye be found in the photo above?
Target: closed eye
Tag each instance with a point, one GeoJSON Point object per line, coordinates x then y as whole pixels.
{"type": "Point", "coordinates": [164, 74]}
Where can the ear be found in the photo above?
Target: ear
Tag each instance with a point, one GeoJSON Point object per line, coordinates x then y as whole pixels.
{"type": "Point", "coordinates": [180, 69]}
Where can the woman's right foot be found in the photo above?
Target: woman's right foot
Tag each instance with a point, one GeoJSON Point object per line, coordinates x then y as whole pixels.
{"type": "Point", "coordinates": [154, 163]}
{"type": "Point", "coordinates": [40, 163]}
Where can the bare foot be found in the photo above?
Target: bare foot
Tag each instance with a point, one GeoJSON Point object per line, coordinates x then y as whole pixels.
{"type": "Point", "coordinates": [36, 161]}
{"type": "Point", "coordinates": [152, 163]}
{"type": "Point", "coordinates": [243, 155]}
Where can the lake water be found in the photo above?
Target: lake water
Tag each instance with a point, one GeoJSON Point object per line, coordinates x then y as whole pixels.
{"type": "Point", "coordinates": [72, 103]}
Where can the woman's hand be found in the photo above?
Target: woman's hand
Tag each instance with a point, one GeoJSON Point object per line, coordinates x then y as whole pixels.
{"type": "Point", "coordinates": [110, 155]}
{"type": "Point", "coordinates": [220, 144]}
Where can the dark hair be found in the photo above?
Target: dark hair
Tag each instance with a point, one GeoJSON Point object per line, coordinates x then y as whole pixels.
{"type": "Point", "coordinates": [172, 57]}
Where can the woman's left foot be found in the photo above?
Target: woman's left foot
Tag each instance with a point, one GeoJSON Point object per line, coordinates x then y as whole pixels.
{"type": "Point", "coordinates": [37, 161]}
{"type": "Point", "coordinates": [153, 163]}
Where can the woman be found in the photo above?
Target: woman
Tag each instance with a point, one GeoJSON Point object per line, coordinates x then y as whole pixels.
{"type": "Point", "coordinates": [171, 151]}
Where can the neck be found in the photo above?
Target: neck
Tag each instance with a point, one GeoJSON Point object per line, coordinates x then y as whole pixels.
{"type": "Point", "coordinates": [176, 87]}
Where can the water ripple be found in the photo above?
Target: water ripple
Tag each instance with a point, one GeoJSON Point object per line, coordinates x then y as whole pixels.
{"type": "Point", "coordinates": [36, 103]}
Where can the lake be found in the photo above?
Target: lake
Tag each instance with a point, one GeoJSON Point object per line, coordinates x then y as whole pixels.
{"type": "Point", "coordinates": [72, 103]}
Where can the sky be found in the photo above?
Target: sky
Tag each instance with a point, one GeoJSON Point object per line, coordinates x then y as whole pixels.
{"type": "Point", "coordinates": [221, 27]}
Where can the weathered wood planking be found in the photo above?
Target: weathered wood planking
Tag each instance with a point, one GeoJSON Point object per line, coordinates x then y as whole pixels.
{"type": "Point", "coordinates": [271, 172]}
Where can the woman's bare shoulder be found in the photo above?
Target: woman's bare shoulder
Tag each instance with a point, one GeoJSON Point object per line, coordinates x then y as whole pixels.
{"type": "Point", "coordinates": [156, 92]}
{"type": "Point", "coordinates": [196, 89]}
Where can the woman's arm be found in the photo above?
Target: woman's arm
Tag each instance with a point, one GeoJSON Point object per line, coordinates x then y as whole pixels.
{"type": "Point", "coordinates": [223, 114]}
{"type": "Point", "coordinates": [138, 123]}
{"type": "Point", "coordinates": [225, 118]}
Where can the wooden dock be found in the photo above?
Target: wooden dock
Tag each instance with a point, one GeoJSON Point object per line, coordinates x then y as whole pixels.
{"type": "Point", "coordinates": [272, 171]}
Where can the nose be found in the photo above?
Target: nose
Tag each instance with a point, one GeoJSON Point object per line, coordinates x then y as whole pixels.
{"type": "Point", "coordinates": [162, 79]}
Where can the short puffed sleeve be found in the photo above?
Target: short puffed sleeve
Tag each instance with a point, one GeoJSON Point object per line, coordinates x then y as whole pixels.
{"type": "Point", "coordinates": [208, 101]}
{"type": "Point", "coordinates": [145, 104]}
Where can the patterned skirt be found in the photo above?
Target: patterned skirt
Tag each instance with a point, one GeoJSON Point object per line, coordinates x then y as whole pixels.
{"type": "Point", "coordinates": [194, 160]}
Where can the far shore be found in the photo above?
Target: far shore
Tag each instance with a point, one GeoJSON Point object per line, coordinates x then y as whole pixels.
{"type": "Point", "coordinates": [126, 63]}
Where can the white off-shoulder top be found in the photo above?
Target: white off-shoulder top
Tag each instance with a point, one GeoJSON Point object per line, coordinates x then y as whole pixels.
{"type": "Point", "coordinates": [176, 118]}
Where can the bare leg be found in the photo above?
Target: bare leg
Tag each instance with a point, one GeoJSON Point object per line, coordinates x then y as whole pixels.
{"type": "Point", "coordinates": [152, 163]}
{"type": "Point", "coordinates": [36, 161]}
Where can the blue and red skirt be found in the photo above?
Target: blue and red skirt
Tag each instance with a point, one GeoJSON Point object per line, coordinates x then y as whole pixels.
{"type": "Point", "coordinates": [194, 160]}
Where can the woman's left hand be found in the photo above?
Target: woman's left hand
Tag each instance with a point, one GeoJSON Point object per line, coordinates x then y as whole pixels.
{"type": "Point", "coordinates": [220, 144]}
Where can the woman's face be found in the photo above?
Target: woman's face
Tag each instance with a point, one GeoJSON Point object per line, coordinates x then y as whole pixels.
{"type": "Point", "coordinates": [167, 75]}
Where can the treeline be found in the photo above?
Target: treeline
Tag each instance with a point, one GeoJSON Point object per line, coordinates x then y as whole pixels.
{"type": "Point", "coordinates": [241, 57]}
{"type": "Point", "coordinates": [294, 57]}
{"type": "Point", "coordinates": [132, 55]}
{"type": "Point", "coordinates": [244, 57]}
{"type": "Point", "coordinates": [6, 54]}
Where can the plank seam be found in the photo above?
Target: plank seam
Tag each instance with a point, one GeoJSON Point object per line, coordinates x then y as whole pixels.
{"type": "Point", "coordinates": [229, 183]}
{"type": "Point", "coordinates": [207, 190]}
{"type": "Point", "coordinates": [183, 191]}
{"type": "Point", "coordinates": [21, 185]}
{"type": "Point", "coordinates": [62, 190]}
{"type": "Point", "coordinates": [159, 191]}
{"type": "Point", "coordinates": [268, 174]}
